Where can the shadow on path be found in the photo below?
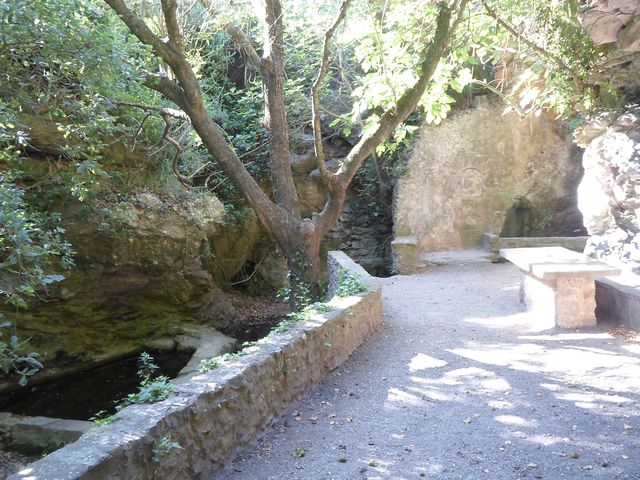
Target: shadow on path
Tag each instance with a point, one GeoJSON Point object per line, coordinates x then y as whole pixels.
{"type": "Point", "coordinates": [460, 384]}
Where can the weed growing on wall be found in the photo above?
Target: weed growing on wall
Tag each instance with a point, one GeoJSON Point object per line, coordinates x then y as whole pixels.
{"type": "Point", "coordinates": [350, 284]}
{"type": "Point", "coordinates": [151, 389]}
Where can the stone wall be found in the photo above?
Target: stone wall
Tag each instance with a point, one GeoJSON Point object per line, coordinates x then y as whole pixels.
{"type": "Point", "coordinates": [468, 173]}
{"type": "Point", "coordinates": [364, 237]}
{"type": "Point", "coordinates": [211, 416]}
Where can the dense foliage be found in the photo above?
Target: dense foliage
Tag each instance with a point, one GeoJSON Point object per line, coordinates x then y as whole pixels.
{"type": "Point", "coordinates": [74, 67]}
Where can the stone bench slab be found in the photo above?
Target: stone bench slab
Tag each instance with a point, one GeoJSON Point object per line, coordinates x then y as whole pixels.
{"type": "Point", "coordinates": [556, 262]}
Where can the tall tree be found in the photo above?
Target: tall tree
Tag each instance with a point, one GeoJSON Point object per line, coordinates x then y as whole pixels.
{"type": "Point", "coordinates": [297, 237]}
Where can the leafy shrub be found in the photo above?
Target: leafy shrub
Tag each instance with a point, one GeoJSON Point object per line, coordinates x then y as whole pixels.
{"type": "Point", "coordinates": [14, 357]}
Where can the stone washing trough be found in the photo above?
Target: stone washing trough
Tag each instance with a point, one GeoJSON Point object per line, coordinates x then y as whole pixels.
{"type": "Point", "coordinates": [209, 417]}
{"type": "Point", "coordinates": [37, 434]}
{"type": "Point", "coordinates": [494, 242]}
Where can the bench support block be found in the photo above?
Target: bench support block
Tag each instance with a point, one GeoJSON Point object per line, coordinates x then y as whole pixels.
{"type": "Point", "coordinates": [563, 302]}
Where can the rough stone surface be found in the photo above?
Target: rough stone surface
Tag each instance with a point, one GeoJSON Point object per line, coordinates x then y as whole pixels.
{"type": "Point", "coordinates": [363, 236]}
{"type": "Point", "coordinates": [208, 343]}
{"type": "Point", "coordinates": [214, 414]}
{"type": "Point", "coordinates": [609, 194]}
{"type": "Point", "coordinates": [39, 434]}
{"type": "Point", "coordinates": [494, 243]}
{"type": "Point", "coordinates": [142, 272]}
{"type": "Point", "coordinates": [478, 168]}
{"type": "Point", "coordinates": [616, 24]}
{"type": "Point", "coordinates": [461, 384]}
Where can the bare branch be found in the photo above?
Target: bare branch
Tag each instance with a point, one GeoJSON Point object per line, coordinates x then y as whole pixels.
{"type": "Point", "coordinates": [167, 114]}
{"type": "Point", "coordinates": [168, 88]}
{"type": "Point", "coordinates": [172, 112]}
{"type": "Point", "coordinates": [548, 55]}
{"type": "Point", "coordinates": [169, 9]}
{"type": "Point", "coordinates": [315, 95]}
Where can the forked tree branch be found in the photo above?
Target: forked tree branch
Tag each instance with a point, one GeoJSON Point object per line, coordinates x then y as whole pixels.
{"type": "Point", "coordinates": [169, 9]}
{"type": "Point", "coordinates": [167, 114]}
{"type": "Point", "coordinates": [445, 27]}
{"type": "Point", "coordinates": [315, 96]}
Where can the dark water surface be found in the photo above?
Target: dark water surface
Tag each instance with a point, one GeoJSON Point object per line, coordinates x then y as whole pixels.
{"type": "Point", "coordinates": [81, 395]}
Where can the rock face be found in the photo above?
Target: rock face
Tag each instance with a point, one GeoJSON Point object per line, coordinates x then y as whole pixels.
{"type": "Point", "coordinates": [484, 171]}
{"type": "Point", "coordinates": [609, 194]}
{"type": "Point", "coordinates": [616, 25]}
{"type": "Point", "coordinates": [143, 268]}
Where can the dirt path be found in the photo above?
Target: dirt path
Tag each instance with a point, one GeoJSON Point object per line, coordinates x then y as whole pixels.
{"type": "Point", "coordinates": [459, 385]}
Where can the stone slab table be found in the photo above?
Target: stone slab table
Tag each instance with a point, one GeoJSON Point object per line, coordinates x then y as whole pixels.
{"type": "Point", "coordinates": [558, 284]}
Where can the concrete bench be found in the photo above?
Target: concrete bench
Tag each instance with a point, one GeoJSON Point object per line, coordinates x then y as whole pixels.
{"type": "Point", "coordinates": [618, 299]}
{"type": "Point", "coordinates": [559, 285]}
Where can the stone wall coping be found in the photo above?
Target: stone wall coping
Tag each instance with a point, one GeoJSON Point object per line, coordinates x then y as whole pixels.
{"type": "Point", "coordinates": [556, 262]}
{"type": "Point", "coordinates": [338, 261]}
{"type": "Point", "coordinates": [212, 415]}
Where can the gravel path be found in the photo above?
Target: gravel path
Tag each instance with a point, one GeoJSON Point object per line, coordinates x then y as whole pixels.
{"type": "Point", "coordinates": [458, 384]}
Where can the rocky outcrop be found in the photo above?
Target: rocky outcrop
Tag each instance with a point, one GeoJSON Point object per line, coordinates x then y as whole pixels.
{"type": "Point", "coordinates": [609, 194]}
{"type": "Point", "coordinates": [615, 26]}
{"type": "Point", "coordinates": [483, 170]}
{"type": "Point", "coordinates": [143, 270]}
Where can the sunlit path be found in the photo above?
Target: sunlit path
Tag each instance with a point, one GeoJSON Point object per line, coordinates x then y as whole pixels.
{"type": "Point", "coordinates": [461, 383]}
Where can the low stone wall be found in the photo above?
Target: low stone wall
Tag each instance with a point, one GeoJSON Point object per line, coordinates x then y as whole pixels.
{"type": "Point", "coordinates": [618, 299]}
{"type": "Point", "coordinates": [211, 416]}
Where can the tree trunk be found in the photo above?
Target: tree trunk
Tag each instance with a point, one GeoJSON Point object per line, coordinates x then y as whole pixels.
{"type": "Point", "coordinates": [298, 239]}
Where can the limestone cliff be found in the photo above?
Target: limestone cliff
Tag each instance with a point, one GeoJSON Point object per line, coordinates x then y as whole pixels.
{"type": "Point", "coordinates": [483, 170]}
{"type": "Point", "coordinates": [610, 190]}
